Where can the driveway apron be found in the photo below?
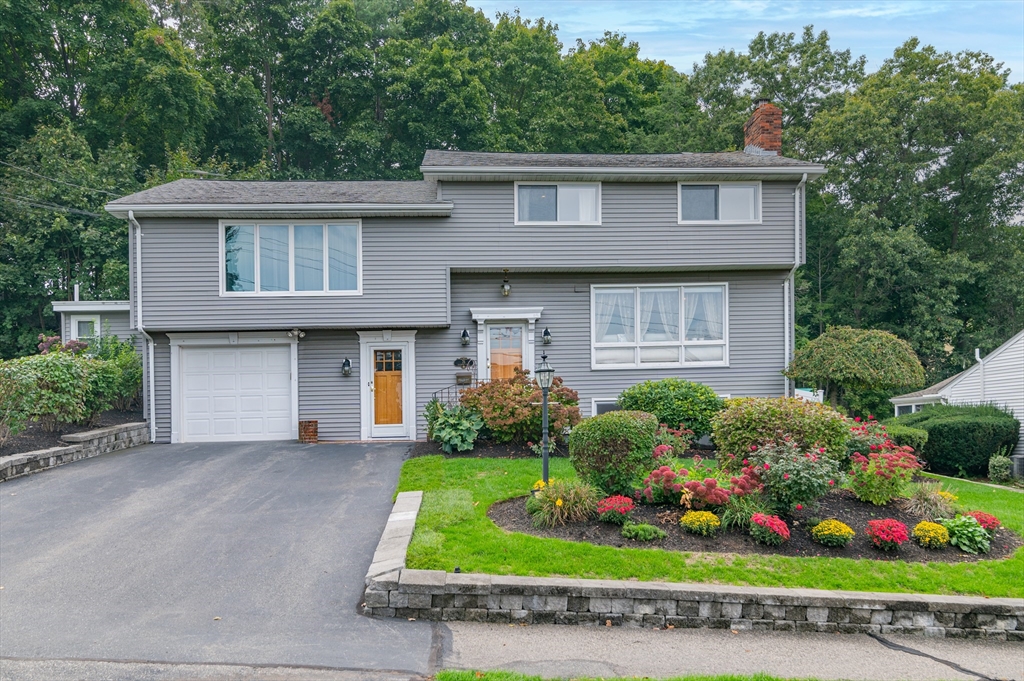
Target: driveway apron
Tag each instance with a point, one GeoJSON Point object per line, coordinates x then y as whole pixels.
{"type": "Point", "coordinates": [234, 553]}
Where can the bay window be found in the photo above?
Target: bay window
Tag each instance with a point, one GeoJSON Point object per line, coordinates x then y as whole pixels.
{"type": "Point", "coordinates": [291, 259]}
{"type": "Point", "coordinates": [659, 325]}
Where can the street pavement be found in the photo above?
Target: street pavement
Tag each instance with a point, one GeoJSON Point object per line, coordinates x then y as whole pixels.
{"type": "Point", "coordinates": [233, 562]}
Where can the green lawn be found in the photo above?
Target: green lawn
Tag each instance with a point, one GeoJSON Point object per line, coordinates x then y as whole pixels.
{"type": "Point", "coordinates": [453, 530]}
{"type": "Point", "coordinates": [514, 676]}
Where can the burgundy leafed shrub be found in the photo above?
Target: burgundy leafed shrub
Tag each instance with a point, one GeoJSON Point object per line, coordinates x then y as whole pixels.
{"type": "Point", "coordinates": [511, 408]}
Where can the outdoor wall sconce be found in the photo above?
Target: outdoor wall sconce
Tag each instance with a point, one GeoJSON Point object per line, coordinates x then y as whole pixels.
{"type": "Point", "coordinates": [506, 288]}
{"type": "Point", "coordinates": [346, 368]}
{"type": "Point", "coordinates": [465, 337]}
{"type": "Point", "coordinates": [296, 334]}
{"type": "Point", "coordinates": [546, 337]}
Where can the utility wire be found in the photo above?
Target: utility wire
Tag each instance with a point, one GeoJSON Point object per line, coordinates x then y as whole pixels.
{"type": "Point", "coordinates": [47, 206]}
{"type": "Point", "coordinates": [52, 179]}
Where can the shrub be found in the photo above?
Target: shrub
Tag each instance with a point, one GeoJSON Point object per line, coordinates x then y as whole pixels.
{"type": "Point", "coordinates": [929, 500]}
{"type": "Point", "coordinates": [967, 534]}
{"type": "Point", "coordinates": [642, 532]}
{"type": "Point", "coordinates": [677, 441]}
{"type": "Point", "coordinates": [1000, 468]}
{"type": "Point", "coordinates": [704, 523]}
{"type": "Point", "coordinates": [615, 509]}
{"type": "Point", "coordinates": [768, 529]}
{"type": "Point", "coordinates": [931, 535]}
{"type": "Point", "coordinates": [664, 485]}
{"type": "Point", "coordinates": [791, 476]}
{"type": "Point", "coordinates": [884, 474]}
{"type": "Point", "coordinates": [16, 388]}
{"type": "Point", "coordinates": [562, 501]}
{"type": "Point", "coordinates": [864, 435]}
{"type": "Point", "coordinates": [61, 383]}
{"type": "Point", "coordinates": [456, 429]}
{"type": "Point", "coordinates": [988, 522]}
{"type": "Point", "coordinates": [614, 449]}
{"type": "Point", "coordinates": [832, 532]}
{"type": "Point", "coordinates": [431, 412]}
{"type": "Point", "coordinates": [701, 494]}
{"type": "Point", "coordinates": [905, 436]}
{"type": "Point", "coordinates": [511, 408]}
{"type": "Point", "coordinates": [675, 402]}
{"type": "Point", "coordinates": [757, 421]}
{"type": "Point", "coordinates": [962, 439]}
{"type": "Point", "coordinates": [741, 507]}
{"type": "Point", "coordinates": [887, 534]}
{"type": "Point", "coordinates": [122, 354]}
{"type": "Point", "coordinates": [103, 379]}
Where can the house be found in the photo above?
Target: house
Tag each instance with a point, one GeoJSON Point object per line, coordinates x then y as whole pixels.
{"type": "Point", "coordinates": [84, 319]}
{"type": "Point", "coordinates": [353, 303]}
{"type": "Point", "coordinates": [996, 379]}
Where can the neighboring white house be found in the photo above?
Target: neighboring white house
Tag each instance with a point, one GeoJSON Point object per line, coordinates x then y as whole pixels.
{"type": "Point", "coordinates": [996, 379]}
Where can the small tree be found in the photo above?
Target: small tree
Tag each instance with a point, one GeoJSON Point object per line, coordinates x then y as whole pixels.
{"type": "Point", "coordinates": [844, 361]}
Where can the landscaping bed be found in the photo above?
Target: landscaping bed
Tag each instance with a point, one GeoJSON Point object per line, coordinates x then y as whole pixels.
{"type": "Point", "coordinates": [511, 515]}
{"type": "Point", "coordinates": [33, 437]}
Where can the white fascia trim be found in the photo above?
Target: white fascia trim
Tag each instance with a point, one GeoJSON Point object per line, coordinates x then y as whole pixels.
{"type": "Point", "coordinates": [231, 338]}
{"type": "Point", "coordinates": [448, 172]}
{"type": "Point", "coordinates": [91, 306]}
{"type": "Point", "coordinates": [231, 210]}
{"type": "Point", "coordinates": [483, 314]}
{"type": "Point", "coordinates": [920, 399]}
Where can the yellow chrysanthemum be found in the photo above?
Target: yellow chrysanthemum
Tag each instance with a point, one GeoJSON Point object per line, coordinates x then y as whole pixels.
{"type": "Point", "coordinates": [948, 496]}
{"type": "Point", "coordinates": [704, 523]}
{"type": "Point", "coordinates": [832, 532]}
{"type": "Point", "coordinates": [931, 535]}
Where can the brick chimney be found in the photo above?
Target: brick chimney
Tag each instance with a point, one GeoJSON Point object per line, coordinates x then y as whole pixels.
{"type": "Point", "coordinates": [762, 133]}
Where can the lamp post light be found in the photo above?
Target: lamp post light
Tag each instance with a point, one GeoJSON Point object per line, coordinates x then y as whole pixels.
{"type": "Point", "coordinates": [544, 374]}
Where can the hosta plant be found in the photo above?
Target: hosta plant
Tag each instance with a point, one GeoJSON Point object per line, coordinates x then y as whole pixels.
{"type": "Point", "coordinates": [931, 535]}
{"type": "Point", "coordinates": [967, 534]}
{"type": "Point", "coordinates": [887, 534]}
{"type": "Point", "coordinates": [768, 529]}
{"type": "Point", "coordinates": [642, 532]}
{"type": "Point", "coordinates": [832, 532]}
{"type": "Point", "coordinates": [562, 501]}
{"type": "Point", "coordinates": [456, 429]}
{"type": "Point", "coordinates": [704, 523]}
{"type": "Point", "coordinates": [615, 509]}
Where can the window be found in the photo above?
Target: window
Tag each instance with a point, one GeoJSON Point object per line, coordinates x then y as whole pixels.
{"type": "Point", "coordinates": [292, 259]}
{"type": "Point", "coordinates": [659, 325]}
{"type": "Point", "coordinates": [903, 409]}
{"type": "Point", "coordinates": [603, 405]}
{"type": "Point", "coordinates": [563, 202]}
{"type": "Point", "coordinates": [719, 202]}
{"type": "Point", "coordinates": [84, 327]}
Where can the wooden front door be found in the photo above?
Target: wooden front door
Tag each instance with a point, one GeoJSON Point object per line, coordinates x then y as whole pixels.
{"type": "Point", "coordinates": [387, 388]}
{"type": "Point", "coordinates": [505, 350]}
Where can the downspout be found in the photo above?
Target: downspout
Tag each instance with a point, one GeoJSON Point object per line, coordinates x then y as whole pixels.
{"type": "Point", "coordinates": [150, 396]}
{"type": "Point", "coordinates": [981, 370]}
{"type": "Point", "coordinates": [787, 286]}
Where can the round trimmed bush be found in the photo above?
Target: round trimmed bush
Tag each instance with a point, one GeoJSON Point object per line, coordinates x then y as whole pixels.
{"type": "Point", "coordinates": [674, 401]}
{"type": "Point", "coordinates": [614, 450]}
{"type": "Point", "coordinates": [756, 421]}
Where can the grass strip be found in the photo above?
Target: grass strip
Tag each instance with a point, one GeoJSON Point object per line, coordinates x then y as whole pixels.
{"type": "Point", "coordinates": [452, 675]}
{"type": "Point", "coordinates": [447, 538]}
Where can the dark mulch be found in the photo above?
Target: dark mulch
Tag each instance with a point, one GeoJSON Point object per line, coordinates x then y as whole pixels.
{"type": "Point", "coordinates": [34, 437]}
{"type": "Point", "coordinates": [511, 515]}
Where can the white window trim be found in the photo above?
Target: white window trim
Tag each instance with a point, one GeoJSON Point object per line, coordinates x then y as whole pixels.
{"type": "Point", "coordinates": [75, 318]}
{"type": "Point", "coordinates": [595, 400]}
{"type": "Point", "coordinates": [178, 340]}
{"type": "Point", "coordinates": [224, 293]}
{"type": "Point", "coordinates": [759, 204]}
{"type": "Point", "coordinates": [515, 203]}
{"type": "Point", "coordinates": [681, 343]}
{"type": "Point", "coordinates": [486, 315]}
{"type": "Point", "coordinates": [406, 342]}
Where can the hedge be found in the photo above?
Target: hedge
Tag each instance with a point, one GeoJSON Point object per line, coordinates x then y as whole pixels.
{"type": "Point", "coordinates": [612, 451]}
{"type": "Point", "coordinates": [907, 436]}
{"type": "Point", "coordinates": [757, 421]}
{"type": "Point", "coordinates": [674, 401]}
{"type": "Point", "coordinates": [962, 439]}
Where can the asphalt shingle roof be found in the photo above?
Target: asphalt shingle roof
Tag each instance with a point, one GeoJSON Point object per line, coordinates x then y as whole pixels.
{"type": "Point", "coordinates": [729, 159]}
{"type": "Point", "coordinates": [258, 192]}
{"type": "Point", "coordinates": [930, 390]}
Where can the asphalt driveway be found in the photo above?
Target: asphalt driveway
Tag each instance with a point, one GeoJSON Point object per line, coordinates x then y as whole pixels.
{"type": "Point", "coordinates": [216, 553]}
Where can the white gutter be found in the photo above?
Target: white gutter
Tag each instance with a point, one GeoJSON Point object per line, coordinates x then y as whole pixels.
{"type": "Point", "coordinates": [150, 397]}
{"type": "Point", "coordinates": [484, 171]}
{"type": "Point", "coordinates": [981, 371]}
{"type": "Point", "coordinates": [787, 286]}
{"type": "Point", "coordinates": [228, 210]}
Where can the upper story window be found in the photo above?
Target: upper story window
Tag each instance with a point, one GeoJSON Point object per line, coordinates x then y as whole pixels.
{"type": "Point", "coordinates": [659, 326]}
{"type": "Point", "coordinates": [574, 203]}
{"type": "Point", "coordinates": [292, 259]}
{"type": "Point", "coordinates": [733, 202]}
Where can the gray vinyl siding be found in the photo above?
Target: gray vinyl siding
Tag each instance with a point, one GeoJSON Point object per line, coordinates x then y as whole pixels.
{"type": "Point", "coordinates": [162, 379]}
{"type": "Point", "coordinates": [756, 333]}
{"type": "Point", "coordinates": [324, 394]}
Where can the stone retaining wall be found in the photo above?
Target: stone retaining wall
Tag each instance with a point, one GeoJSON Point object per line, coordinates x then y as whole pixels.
{"type": "Point", "coordinates": [81, 446]}
{"type": "Point", "coordinates": [394, 591]}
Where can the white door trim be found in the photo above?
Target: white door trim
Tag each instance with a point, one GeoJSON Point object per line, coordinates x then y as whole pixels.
{"type": "Point", "coordinates": [231, 338]}
{"type": "Point", "coordinates": [482, 315]}
{"type": "Point", "coordinates": [406, 342]}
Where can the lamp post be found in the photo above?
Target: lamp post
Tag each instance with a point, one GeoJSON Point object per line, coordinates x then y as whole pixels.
{"type": "Point", "coordinates": [544, 375]}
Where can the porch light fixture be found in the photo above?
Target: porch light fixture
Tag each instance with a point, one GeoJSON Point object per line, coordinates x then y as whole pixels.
{"type": "Point", "coordinates": [506, 288]}
{"type": "Point", "coordinates": [346, 368]}
{"type": "Point", "coordinates": [546, 337]}
{"type": "Point", "coordinates": [545, 374]}
{"type": "Point", "coordinates": [465, 337]}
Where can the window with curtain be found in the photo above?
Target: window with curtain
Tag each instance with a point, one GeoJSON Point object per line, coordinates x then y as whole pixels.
{"type": "Point", "coordinates": [570, 202]}
{"type": "Point", "coordinates": [654, 325]}
{"type": "Point", "coordinates": [720, 202]}
{"type": "Point", "coordinates": [283, 259]}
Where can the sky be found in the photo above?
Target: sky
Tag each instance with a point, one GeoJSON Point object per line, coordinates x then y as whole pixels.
{"type": "Point", "coordinates": [681, 32]}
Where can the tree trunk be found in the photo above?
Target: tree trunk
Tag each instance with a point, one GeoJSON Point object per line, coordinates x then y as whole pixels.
{"type": "Point", "coordinates": [268, 86]}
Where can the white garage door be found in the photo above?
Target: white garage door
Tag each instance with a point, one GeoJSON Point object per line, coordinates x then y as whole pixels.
{"type": "Point", "coordinates": [241, 393]}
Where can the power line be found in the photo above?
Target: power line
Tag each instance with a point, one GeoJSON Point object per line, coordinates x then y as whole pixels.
{"type": "Point", "coordinates": [47, 206]}
{"type": "Point", "coordinates": [53, 179]}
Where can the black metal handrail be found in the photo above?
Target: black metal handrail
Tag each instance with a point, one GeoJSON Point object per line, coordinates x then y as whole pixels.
{"type": "Point", "coordinates": [452, 395]}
